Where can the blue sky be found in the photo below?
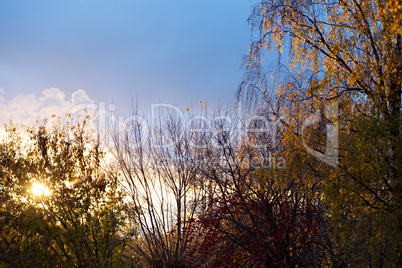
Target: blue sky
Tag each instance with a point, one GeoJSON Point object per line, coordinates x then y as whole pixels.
{"type": "Point", "coordinates": [177, 52]}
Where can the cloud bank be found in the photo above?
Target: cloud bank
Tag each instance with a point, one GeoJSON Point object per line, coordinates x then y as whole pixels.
{"type": "Point", "coordinates": [27, 108]}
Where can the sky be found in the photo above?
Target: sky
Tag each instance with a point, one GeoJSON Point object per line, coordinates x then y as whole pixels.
{"type": "Point", "coordinates": [55, 54]}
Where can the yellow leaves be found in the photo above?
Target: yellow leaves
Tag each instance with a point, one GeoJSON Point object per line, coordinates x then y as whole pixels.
{"type": "Point", "coordinates": [394, 6]}
{"type": "Point", "coordinates": [265, 23]}
{"type": "Point", "coordinates": [279, 93]}
{"type": "Point", "coordinates": [390, 14]}
{"type": "Point", "coordinates": [335, 48]}
{"type": "Point", "coordinates": [335, 43]}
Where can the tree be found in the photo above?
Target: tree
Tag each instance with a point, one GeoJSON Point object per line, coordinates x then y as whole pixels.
{"type": "Point", "coordinates": [271, 229]}
{"type": "Point", "coordinates": [160, 177]}
{"type": "Point", "coordinates": [76, 217]}
{"type": "Point", "coordinates": [348, 52]}
{"type": "Point", "coordinates": [251, 220]}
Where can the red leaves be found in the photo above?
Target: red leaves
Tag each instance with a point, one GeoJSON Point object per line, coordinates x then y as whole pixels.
{"type": "Point", "coordinates": [258, 231]}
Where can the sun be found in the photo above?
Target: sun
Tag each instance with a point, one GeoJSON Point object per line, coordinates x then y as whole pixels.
{"type": "Point", "coordinates": [38, 189]}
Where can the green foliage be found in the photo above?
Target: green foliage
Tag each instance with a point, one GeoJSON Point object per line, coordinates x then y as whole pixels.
{"type": "Point", "coordinates": [79, 217]}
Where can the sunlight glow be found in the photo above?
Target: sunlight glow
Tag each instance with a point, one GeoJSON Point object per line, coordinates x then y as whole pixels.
{"type": "Point", "coordinates": [38, 189]}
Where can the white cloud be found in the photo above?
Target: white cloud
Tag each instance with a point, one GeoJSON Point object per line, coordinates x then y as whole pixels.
{"type": "Point", "coordinates": [27, 108]}
{"type": "Point", "coordinates": [79, 96]}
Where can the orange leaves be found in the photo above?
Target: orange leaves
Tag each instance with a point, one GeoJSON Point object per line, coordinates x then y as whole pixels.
{"type": "Point", "coordinates": [394, 6]}
{"type": "Point", "coordinates": [390, 13]}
